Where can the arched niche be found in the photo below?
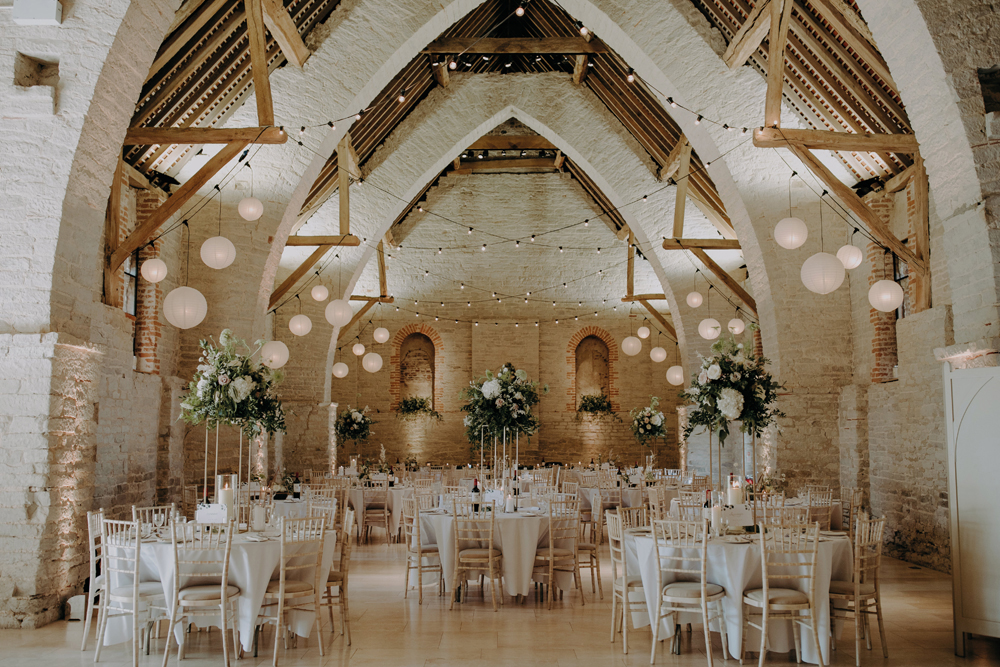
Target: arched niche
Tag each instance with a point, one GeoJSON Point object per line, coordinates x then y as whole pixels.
{"type": "Point", "coordinates": [593, 368]}
{"type": "Point", "coordinates": [416, 367]}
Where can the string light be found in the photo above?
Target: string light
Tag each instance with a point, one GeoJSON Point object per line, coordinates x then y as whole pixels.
{"type": "Point", "coordinates": [520, 9]}
{"type": "Point", "coordinates": [630, 76]}
{"type": "Point", "coordinates": [452, 65]}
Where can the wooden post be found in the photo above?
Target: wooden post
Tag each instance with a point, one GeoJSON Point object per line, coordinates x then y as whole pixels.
{"type": "Point", "coordinates": [683, 171]}
{"type": "Point", "coordinates": [112, 227]}
{"type": "Point", "coordinates": [258, 62]}
{"type": "Point", "coordinates": [781, 14]}
{"type": "Point", "coordinates": [344, 167]}
{"type": "Point", "coordinates": [630, 278]}
{"type": "Point", "coordinates": [921, 233]}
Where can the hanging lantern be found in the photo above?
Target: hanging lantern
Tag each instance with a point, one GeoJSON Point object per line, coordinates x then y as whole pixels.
{"type": "Point", "coordinates": [338, 312]}
{"type": "Point", "coordinates": [709, 328]}
{"type": "Point", "coordinates": [218, 252]}
{"type": "Point", "coordinates": [658, 354]}
{"type": "Point", "coordinates": [642, 332]}
{"type": "Point", "coordinates": [736, 326]}
{"type": "Point", "coordinates": [185, 307]}
{"type": "Point", "coordinates": [372, 362]}
{"type": "Point", "coordinates": [300, 325]}
{"type": "Point", "coordinates": [695, 299]}
{"type": "Point", "coordinates": [358, 349]}
{"type": "Point", "coordinates": [340, 369]}
{"type": "Point", "coordinates": [250, 209]}
{"type": "Point", "coordinates": [320, 292]}
{"type": "Point", "coordinates": [380, 335]}
{"type": "Point", "coordinates": [274, 354]}
{"type": "Point", "coordinates": [631, 346]}
{"type": "Point", "coordinates": [886, 296]}
{"type": "Point", "coordinates": [154, 270]}
{"type": "Point", "coordinates": [850, 256]}
{"type": "Point", "coordinates": [791, 233]}
{"type": "Point", "coordinates": [822, 273]}
{"type": "Point", "coordinates": [675, 375]}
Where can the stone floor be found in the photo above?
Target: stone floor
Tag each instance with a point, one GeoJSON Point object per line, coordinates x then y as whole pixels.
{"type": "Point", "coordinates": [389, 631]}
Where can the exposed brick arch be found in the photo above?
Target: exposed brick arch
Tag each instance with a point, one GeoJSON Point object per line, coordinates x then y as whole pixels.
{"type": "Point", "coordinates": [394, 360]}
{"type": "Point", "coordinates": [574, 341]}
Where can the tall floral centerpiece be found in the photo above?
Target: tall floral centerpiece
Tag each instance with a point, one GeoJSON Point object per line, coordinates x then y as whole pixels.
{"type": "Point", "coordinates": [354, 425]}
{"type": "Point", "coordinates": [499, 406]}
{"type": "Point", "coordinates": [232, 387]}
{"type": "Point", "coordinates": [647, 423]}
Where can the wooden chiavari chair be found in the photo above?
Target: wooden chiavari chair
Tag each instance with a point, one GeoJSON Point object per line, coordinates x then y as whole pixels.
{"type": "Point", "coordinates": [564, 517]}
{"type": "Point", "coordinates": [376, 503]}
{"type": "Point", "coordinates": [821, 508]}
{"type": "Point", "coordinates": [474, 529]}
{"type": "Point", "coordinates": [98, 582]}
{"type": "Point", "coordinates": [850, 505]}
{"type": "Point", "coordinates": [156, 515]}
{"type": "Point", "coordinates": [416, 552]}
{"type": "Point", "coordinates": [190, 500]}
{"type": "Point", "coordinates": [588, 553]}
{"type": "Point", "coordinates": [788, 558]}
{"type": "Point", "coordinates": [623, 582]}
{"type": "Point", "coordinates": [572, 488]}
{"type": "Point", "coordinates": [863, 593]}
{"type": "Point", "coordinates": [337, 579]}
{"type": "Point", "coordinates": [785, 514]}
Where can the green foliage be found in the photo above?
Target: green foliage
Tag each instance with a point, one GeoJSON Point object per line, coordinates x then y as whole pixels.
{"type": "Point", "coordinates": [354, 425]}
{"type": "Point", "coordinates": [233, 388]}
{"type": "Point", "coordinates": [598, 406]}
{"type": "Point", "coordinates": [415, 408]}
{"type": "Point", "coordinates": [500, 401]}
{"type": "Point", "coordinates": [648, 423]}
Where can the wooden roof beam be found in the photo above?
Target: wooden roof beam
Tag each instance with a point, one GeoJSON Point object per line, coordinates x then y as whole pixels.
{"type": "Point", "coordinates": [835, 141]}
{"type": "Point", "coordinates": [344, 241]}
{"type": "Point", "coordinates": [704, 244]}
{"type": "Point", "coordinates": [516, 45]}
{"type": "Point", "coordinates": [855, 32]}
{"type": "Point", "coordinates": [259, 61]}
{"type": "Point", "coordinates": [354, 320]}
{"type": "Point", "coordinates": [750, 35]}
{"type": "Point", "coordinates": [147, 136]}
{"type": "Point", "coordinates": [346, 165]}
{"type": "Point", "coordinates": [535, 164]}
{"type": "Point", "coordinates": [282, 27]}
{"type": "Point", "coordinates": [630, 276]}
{"type": "Point", "coordinates": [644, 297]}
{"type": "Point", "coordinates": [496, 142]}
{"type": "Point", "coordinates": [580, 69]}
{"type": "Point", "coordinates": [781, 16]}
{"type": "Point", "coordinates": [683, 171]}
{"type": "Point", "coordinates": [673, 163]}
{"type": "Point", "coordinates": [380, 250]}
{"type": "Point", "coordinates": [376, 299]}
{"type": "Point", "coordinates": [297, 274]}
{"type": "Point", "coordinates": [440, 73]}
{"type": "Point", "coordinates": [727, 279]}
{"type": "Point", "coordinates": [659, 318]}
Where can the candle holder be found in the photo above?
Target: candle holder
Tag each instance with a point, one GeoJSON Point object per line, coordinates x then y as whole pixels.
{"type": "Point", "coordinates": [227, 492]}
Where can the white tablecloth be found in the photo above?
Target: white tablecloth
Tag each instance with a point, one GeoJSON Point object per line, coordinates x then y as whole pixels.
{"type": "Point", "coordinates": [516, 535]}
{"type": "Point", "coordinates": [251, 566]}
{"type": "Point", "coordinates": [290, 509]}
{"type": "Point", "coordinates": [736, 567]}
{"type": "Point", "coordinates": [836, 514]}
{"type": "Point", "coordinates": [395, 500]}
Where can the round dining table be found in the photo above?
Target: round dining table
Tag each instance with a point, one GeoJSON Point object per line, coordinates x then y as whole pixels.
{"type": "Point", "coordinates": [359, 502]}
{"type": "Point", "coordinates": [734, 562]}
{"type": "Point", "coordinates": [518, 535]}
{"type": "Point", "coordinates": [254, 560]}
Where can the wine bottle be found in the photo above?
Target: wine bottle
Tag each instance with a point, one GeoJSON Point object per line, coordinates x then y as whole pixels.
{"type": "Point", "coordinates": [296, 487]}
{"type": "Point", "coordinates": [475, 495]}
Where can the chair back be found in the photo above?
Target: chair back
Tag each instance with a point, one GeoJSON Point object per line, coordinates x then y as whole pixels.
{"type": "Point", "coordinates": [616, 542]}
{"type": "Point", "coordinates": [341, 495]}
{"type": "Point", "coordinates": [458, 490]}
{"type": "Point", "coordinates": [426, 498]}
{"type": "Point", "coordinates": [571, 488]}
{"type": "Point", "coordinates": [659, 506]}
{"type": "Point", "coordinates": [772, 499]}
{"type": "Point", "coordinates": [850, 505]}
{"type": "Point", "coordinates": [589, 479]}
{"type": "Point", "coordinates": [815, 488]}
{"type": "Point", "coordinates": [700, 482]}
{"type": "Point", "coordinates": [411, 524]}
{"type": "Point", "coordinates": [688, 497]}
{"type": "Point", "coordinates": [783, 514]}
{"type": "Point", "coordinates": [564, 523]}
{"type": "Point", "coordinates": [788, 556]}
{"type": "Point", "coordinates": [868, 549]}
{"type": "Point", "coordinates": [121, 543]}
{"type": "Point", "coordinates": [690, 511]}
{"type": "Point", "coordinates": [323, 503]}
{"type": "Point", "coordinates": [345, 543]}
{"type": "Point", "coordinates": [307, 476]}
{"type": "Point", "coordinates": [201, 554]}
{"type": "Point", "coordinates": [150, 515]}
{"type": "Point", "coordinates": [302, 543]}
{"type": "Point", "coordinates": [821, 507]}
{"type": "Point", "coordinates": [681, 548]}
{"type": "Point", "coordinates": [633, 517]}
{"type": "Point", "coordinates": [423, 482]}
{"type": "Point", "coordinates": [473, 526]}
{"type": "Point", "coordinates": [190, 500]}
{"type": "Point", "coordinates": [94, 520]}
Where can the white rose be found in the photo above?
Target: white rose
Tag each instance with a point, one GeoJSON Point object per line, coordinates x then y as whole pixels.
{"type": "Point", "coordinates": [731, 403]}
{"type": "Point", "coordinates": [657, 420]}
{"type": "Point", "coordinates": [714, 372]}
{"type": "Point", "coordinates": [491, 389]}
{"type": "Point", "coordinates": [702, 377]}
{"type": "Point", "coordinates": [202, 386]}
{"type": "Point", "coordinates": [240, 388]}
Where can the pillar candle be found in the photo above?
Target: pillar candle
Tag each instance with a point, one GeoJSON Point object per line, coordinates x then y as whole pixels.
{"type": "Point", "coordinates": [716, 517]}
{"type": "Point", "coordinates": [226, 497]}
{"type": "Point", "coordinates": [257, 518]}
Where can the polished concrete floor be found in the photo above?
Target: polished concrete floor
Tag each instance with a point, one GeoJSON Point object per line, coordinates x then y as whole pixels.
{"type": "Point", "coordinates": [388, 630]}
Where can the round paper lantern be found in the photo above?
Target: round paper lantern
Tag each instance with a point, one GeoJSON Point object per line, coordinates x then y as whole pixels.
{"type": "Point", "coordinates": [695, 299]}
{"type": "Point", "coordinates": [358, 349]}
{"type": "Point", "coordinates": [372, 362]}
{"type": "Point", "coordinates": [380, 335]}
{"type": "Point", "coordinates": [185, 307]}
{"type": "Point", "coordinates": [736, 326]}
{"type": "Point", "coordinates": [320, 292]}
{"type": "Point", "coordinates": [338, 312]}
{"type": "Point", "coordinates": [642, 332]}
{"type": "Point", "coordinates": [274, 354]}
{"type": "Point", "coordinates": [658, 354]}
{"type": "Point", "coordinates": [154, 270]}
{"type": "Point", "coordinates": [791, 233]}
{"type": "Point", "coordinates": [340, 369]}
{"type": "Point", "coordinates": [675, 375]}
{"type": "Point", "coordinates": [709, 328]}
{"type": "Point", "coordinates": [631, 346]}
{"type": "Point", "coordinates": [850, 256]}
{"type": "Point", "coordinates": [300, 325]}
{"type": "Point", "coordinates": [885, 295]}
{"type": "Point", "coordinates": [250, 208]}
{"type": "Point", "coordinates": [218, 252]}
{"type": "Point", "coordinates": [822, 273]}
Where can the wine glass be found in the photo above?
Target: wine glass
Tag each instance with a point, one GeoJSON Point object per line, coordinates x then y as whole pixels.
{"type": "Point", "coordinates": [158, 519]}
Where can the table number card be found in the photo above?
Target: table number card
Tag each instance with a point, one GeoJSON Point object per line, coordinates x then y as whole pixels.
{"type": "Point", "coordinates": [211, 513]}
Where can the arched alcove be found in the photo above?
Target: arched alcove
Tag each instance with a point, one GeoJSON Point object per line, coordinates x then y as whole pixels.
{"type": "Point", "coordinates": [592, 368]}
{"type": "Point", "coordinates": [416, 367]}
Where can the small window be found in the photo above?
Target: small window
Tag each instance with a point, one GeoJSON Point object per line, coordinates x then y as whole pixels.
{"type": "Point", "coordinates": [901, 274]}
{"type": "Point", "coordinates": [131, 286]}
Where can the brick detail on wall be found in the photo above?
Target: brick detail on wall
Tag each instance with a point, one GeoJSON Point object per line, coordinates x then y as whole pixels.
{"type": "Point", "coordinates": [574, 341]}
{"type": "Point", "coordinates": [149, 296]}
{"type": "Point", "coordinates": [394, 360]}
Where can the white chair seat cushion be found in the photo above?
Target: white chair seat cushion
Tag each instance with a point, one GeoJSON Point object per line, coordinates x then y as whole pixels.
{"type": "Point", "coordinates": [634, 581]}
{"type": "Point", "coordinates": [478, 553]}
{"type": "Point", "coordinates": [274, 587]}
{"type": "Point", "coordinates": [847, 588]}
{"type": "Point", "coordinates": [690, 589]}
{"type": "Point", "coordinates": [556, 553]}
{"type": "Point", "coordinates": [586, 546]}
{"type": "Point", "coordinates": [207, 592]}
{"type": "Point", "coordinates": [428, 549]}
{"type": "Point", "coordinates": [146, 589]}
{"type": "Point", "coordinates": [777, 596]}
{"type": "Point", "coordinates": [335, 578]}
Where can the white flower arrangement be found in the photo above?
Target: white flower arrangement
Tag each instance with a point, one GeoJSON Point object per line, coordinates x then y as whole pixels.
{"type": "Point", "coordinates": [501, 401]}
{"type": "Point", "coordinates": [648, 422]}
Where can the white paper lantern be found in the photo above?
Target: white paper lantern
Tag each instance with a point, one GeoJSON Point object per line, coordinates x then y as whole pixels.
{"type": "Point", "coordinates": [320, 292]}
{"type": "Point", "coordinates": [274, 354]}
{"type": "Point", "coordinates": [338, 312]}
{"type": "Point", "coordinates": [250, 208]}
{"type": "Point", "coordinates": [850, 256]}
{"type": "Point", "coordinates": [658, 354]}
{"type": "Point", "coordinates": [709, 328]}
{"type": "Point", "coordinates": [642, 332]}
{"type": "Point", "coordinates": [154, 270]}
{"type": "Point", "coordinates": [631, 346]}
{"type": "Point", "coordinates": [791, 233]}
{"type": "Point", "coordinates": [185, 307]}
{"type": "Point", "coordinates": [300, 325]}
{"type": "Point", "coordinates": [695, 299]}
{"type": "Point", "coordinates": [675, 375]}
{"type": "Point", "coordinates": [358, 349]}
{"type": "Point", "coordinates": [822, 273]}
{"type": "Point", "coordinates": [218, 252]}
{"type": "Point", "coordinates": [340, 369]}
{"type": "Point", "coordinates": [885, 295]}
{"type": "Point", "coordinates": [380, 335]}
{"type": "Point", "coordinates": [736, 326]}
{"type": "Point", "coordinates": [372, 362]}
